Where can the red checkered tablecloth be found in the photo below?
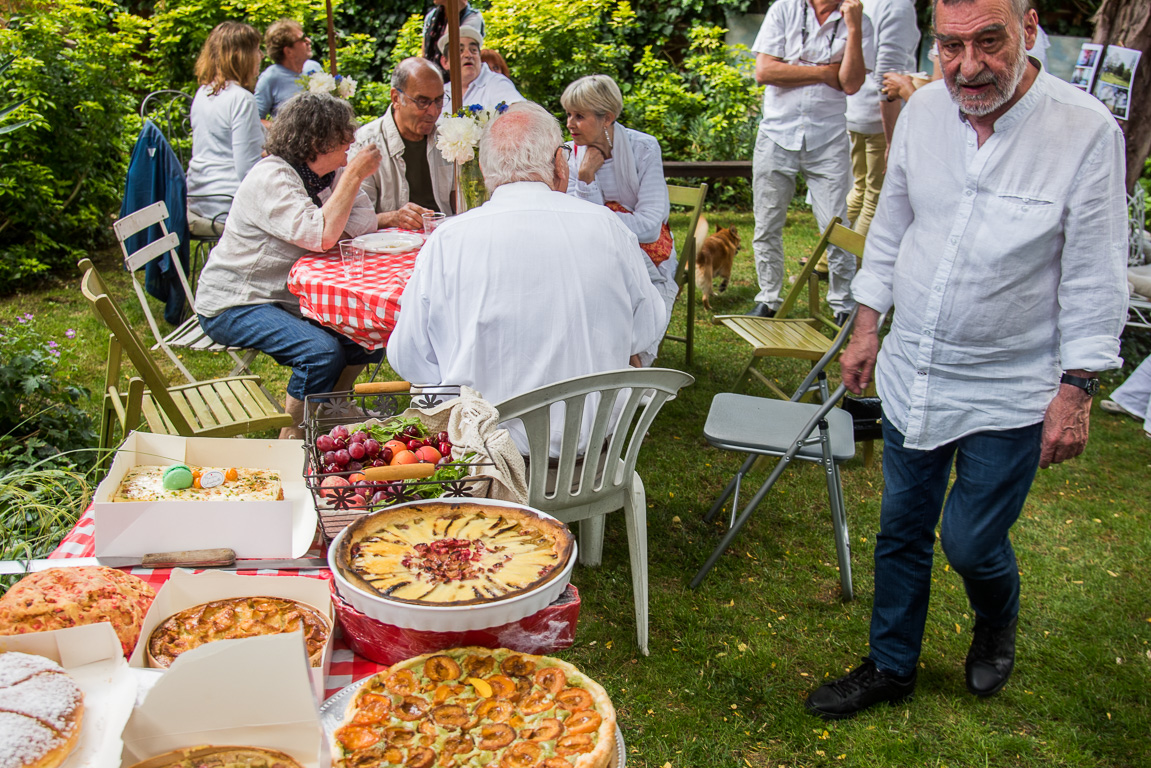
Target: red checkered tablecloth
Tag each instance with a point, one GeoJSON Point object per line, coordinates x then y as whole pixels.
{"type": "Point", "coordinates": [346, 667]}
{"type": "Point", "coordinates": [363, 309]}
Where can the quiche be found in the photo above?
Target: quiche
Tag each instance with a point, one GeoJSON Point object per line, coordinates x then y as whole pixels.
{"type": "Point", "coordinates": [146, 483]}
{"type": "Point", "coordinates": [233, 618]}
{"type": "Point", "coordinates": [41, 708]}
{"type": "Point", "coordinates": [220, 757]}
{"type": "Point", "coordinates": [68, 597]}
{"type": "Point", "coordinates": [478, 707]}
{"type": "Point", "coordinates": [453, 554]}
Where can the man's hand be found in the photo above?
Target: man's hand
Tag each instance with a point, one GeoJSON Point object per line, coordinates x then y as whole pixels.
{"type": "Point", "coordinates": [857, 363]}
{"type": "Point", "coordinates": [593, 160]}
{"type": "Point", "coordinates": [852, 12]}
{"type": "Point", "coordinates": [1065, 425]}
{"type": "Point", "coordinates": [364, 164]}
{"type": "Point", "coordinates": [408, 217]}
{"type": "Point", "coordinates": [897, 85]}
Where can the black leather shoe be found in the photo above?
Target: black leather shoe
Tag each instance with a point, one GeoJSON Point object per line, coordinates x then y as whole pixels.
{"type": "Point", "coordinates": [864, 686]}
{"type": "Point", "coordinates": [991, 658]}
{"type": "Point", "coordinates": [761, 310]}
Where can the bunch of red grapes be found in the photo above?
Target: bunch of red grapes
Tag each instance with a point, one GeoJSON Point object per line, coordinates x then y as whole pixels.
{"type": "Point", "coordinates": [344, 451]}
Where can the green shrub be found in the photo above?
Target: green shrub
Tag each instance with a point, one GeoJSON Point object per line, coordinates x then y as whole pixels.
{"type": "Point", "coordinates": [63, 173]}
{"type": "Point", "coordinates": [37, 508]}
{"type": "Point", "coordinates": [42, 413]}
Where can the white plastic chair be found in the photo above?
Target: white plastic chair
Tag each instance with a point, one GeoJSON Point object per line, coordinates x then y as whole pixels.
{"type": "Point", "coordinates": [572, 489]}
{"type": "Point", "coordinates": [189, 334]}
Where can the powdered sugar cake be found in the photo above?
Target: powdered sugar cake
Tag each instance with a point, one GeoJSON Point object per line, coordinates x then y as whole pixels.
{"type": "Point", "coordinates": [41, 708]}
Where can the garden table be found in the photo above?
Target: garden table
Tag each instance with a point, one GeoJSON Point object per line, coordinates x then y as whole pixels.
{"type": "Point", "coordinates": [364, 308]}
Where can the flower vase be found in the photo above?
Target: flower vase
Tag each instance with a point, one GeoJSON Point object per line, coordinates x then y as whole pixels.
{"type": "Point", "coordinates": [470, 190]}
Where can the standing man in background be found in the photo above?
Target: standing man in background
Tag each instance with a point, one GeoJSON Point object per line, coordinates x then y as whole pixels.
{"type": "Point", "coordinates": [870, 116]}
{"type": "Point", "coordinates": [810, 54]}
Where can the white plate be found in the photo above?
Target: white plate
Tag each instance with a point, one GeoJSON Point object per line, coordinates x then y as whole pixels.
{"type": "Point", "coordinates": [455, 618]}
{"type": "Point", "coordinates": [332, 715]}
{"type": "Point", "coordinates": [389, 242]}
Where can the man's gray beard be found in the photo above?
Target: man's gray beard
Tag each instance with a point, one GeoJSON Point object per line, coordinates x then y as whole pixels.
{"type": "Point", "coordinates": [1002, 90]}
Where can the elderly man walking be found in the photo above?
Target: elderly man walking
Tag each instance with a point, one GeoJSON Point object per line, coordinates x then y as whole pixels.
{"type": "Point", "coordinates": [810, 53]}
{"type": "Point", "coordinates": [413, 177]}
{"type": "Point", "coordinates": [1001, 240]}
{"type": "Point", "coordinates": [532, 287]}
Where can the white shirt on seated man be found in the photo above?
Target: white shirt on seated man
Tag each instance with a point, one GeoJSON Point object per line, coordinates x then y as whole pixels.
{"type": "Point", "coordinates": [478, 83]}
{"type": "Point", "coordinates": [531, 288]}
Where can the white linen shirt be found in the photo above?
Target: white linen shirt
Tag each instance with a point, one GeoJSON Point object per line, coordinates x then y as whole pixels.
{"type": "Point", "coordinates": [896, 42]}
{"type": "Point", "coordinates": [806, 114]}
{"type": "Point", "coordinates": [488, 90]}
{"type": "Point", "coordinates": [387, 188]}
{"type": "Point", "coordinates": [273, 223]}
{"type": "Point", "coordinates": [531, 288]}
{"type": "Point", "coordinates": [1005, 262]}
{"type": "Point", "coordinates": [227, 140]}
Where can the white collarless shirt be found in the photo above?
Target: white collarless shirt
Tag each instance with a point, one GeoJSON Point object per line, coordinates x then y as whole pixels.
{"type": "Point", "coordinates": [1005, 263]}
{"type": "Point", "coordinates": [488, 90]}
{"type": "Point", "coordinates": [810, 115]}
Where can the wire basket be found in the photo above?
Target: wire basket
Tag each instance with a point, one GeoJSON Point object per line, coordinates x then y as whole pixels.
{"type": "Point", "coordinates": [341, 503]}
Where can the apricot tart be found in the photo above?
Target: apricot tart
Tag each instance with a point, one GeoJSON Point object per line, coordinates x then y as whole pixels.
{"type": "Point", "coordinates": [445, 554]}
{"type": "Point", "coordinates": [220, 757]}
{"type": "Point", "coordinates": [478, 707]}
{"type": "Point", "coordinates": [233, 618]}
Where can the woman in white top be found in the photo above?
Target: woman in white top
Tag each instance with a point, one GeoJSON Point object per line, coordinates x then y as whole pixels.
{"type": "Point", "coordinates": [623, 169]}
{"type": "Point", "coordinates": [227, 137]}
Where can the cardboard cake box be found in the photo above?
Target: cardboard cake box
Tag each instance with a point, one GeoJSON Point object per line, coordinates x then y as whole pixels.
{"type": "Point", "coordinates": [92, 655]}
{"type": "Point", "coordinates": [186, 589]}
{"type": "Point", "coordinates": [272, 529]}
{"type": "Point", "coordinates": [251, 693]}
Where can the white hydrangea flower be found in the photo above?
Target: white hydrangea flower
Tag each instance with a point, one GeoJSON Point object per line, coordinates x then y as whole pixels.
{"type": "Point", "coordinates": [458, 139]}
{"type": "Point", "coordinates": [321, 82]}
{"type": "Point", "coordinates": [346, 88]}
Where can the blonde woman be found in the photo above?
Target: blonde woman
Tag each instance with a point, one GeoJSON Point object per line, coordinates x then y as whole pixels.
{"type": "Point", "coordinates": [227, 137]}
{"type": "Point", "coordinates": [623, 169]}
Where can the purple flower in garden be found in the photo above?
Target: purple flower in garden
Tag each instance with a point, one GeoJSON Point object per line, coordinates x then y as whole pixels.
{"type": "Point", "coordinates": [501, 107]}
{"type": "Point", "coordinates": [52, 345]}
{"type": "Point", "coordinates": [70, 333]}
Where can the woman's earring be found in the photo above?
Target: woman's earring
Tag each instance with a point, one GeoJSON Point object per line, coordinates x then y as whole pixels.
{"type": "Point", "coordinates": [607, 136]}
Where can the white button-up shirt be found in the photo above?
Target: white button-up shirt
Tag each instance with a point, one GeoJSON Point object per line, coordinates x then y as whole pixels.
{"type": "Point", "coordinates": [531, 288]}
{"type": "Point", "coordinates": [488, 90]}
{"type": "Point", "coordinates": [1005, 262]}
{"type": "Point", "coordinates": [811, 113]}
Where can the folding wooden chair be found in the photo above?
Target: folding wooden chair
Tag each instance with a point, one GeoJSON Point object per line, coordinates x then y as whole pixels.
{"type": "Point", "coordinates": [189, 334]}
{"type": "Point", "coordinates": [788, 334]}
{"type": "Point", "coordinates": [691, 197]}
{"type": "Point", "coordinates": [223, 407]}
{"type": "Point", "coordinates": [761, 426]}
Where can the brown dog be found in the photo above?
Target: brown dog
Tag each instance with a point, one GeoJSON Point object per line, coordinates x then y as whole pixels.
{"type": "Point", "coordinates": [714, 259]}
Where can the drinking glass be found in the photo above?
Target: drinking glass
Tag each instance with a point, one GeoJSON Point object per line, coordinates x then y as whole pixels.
{"type": "Point", "coordinates": [352, 259]}
{"type": "Point", "coordinates": [432, 220]}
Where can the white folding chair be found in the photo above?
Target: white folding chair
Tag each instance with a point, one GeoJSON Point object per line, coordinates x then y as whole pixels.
{"type": "Point", "coordinates": [573, 489]}
{"type": "Point", "coordinates": [189, 334]}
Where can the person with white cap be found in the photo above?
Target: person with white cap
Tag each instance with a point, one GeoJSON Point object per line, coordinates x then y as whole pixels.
{"type": "Point", "coordinates": [479, 84]}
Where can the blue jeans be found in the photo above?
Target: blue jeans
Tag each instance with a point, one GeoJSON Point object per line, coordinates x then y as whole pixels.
{"type": "Point", "coordinates": [993, 473]}
{"type": "Point", "coordinates": [316, 354]}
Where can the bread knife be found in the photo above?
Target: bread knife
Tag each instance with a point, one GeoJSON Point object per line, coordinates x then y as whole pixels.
{"type": "Point", "coordinates": [210, 558]}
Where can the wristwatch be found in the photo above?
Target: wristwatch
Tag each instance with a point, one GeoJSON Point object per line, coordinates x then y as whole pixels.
{"type": "Point", "coordinates": [1090, 386]}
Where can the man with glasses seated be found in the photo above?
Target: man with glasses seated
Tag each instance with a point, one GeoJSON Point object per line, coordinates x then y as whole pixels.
{"type": "Point", "coordinates": [811, 55]}
{"type": "Point", "coordinates": [413, 177]}
{"type": "Point", "coordinates": [478, 83]}
{"type": "Point", "coordinates": [291, 53]}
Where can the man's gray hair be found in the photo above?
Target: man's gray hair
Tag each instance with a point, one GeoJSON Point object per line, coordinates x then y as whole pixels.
{"type": "Point", "coordinates": [520, 145]}
{"type": "Point", "coordinates": [408, 67]}
{"type": "Point", "coordinates": [310, 124]}
{"type": "Point", "coordinates": [1018, 7]}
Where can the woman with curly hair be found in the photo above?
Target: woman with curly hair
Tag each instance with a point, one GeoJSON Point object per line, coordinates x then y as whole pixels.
{"type": "Point", "coordinates": [227, 136]}
{"type": "Point", "coordinates": [291, 204]}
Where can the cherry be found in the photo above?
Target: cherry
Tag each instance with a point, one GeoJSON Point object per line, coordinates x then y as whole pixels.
{"type": "Point", "coordinates": [357, 451]}
{"type": "Point", "coordinates": [342, 457]}
{"type": "Point", "coordinates": [372, 446]}
{"type": "Point", "coordinates": [325, 443]}
{"type": "Point", "coordinates": [386, 454]}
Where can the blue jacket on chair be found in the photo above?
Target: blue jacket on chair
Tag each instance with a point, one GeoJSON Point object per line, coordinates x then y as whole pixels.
{"type": "Point", "coordinates": [154, 174]}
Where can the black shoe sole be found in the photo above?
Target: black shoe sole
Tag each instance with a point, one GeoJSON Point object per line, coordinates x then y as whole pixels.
{"type": "Point", "coordinates": [848, 715]}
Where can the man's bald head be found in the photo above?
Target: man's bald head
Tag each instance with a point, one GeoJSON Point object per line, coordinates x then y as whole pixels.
{"type": "Point", "coordinates": [521, 145]}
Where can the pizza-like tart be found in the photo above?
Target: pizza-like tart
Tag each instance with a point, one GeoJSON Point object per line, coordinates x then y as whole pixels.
{"type": "Point", "coordinates": [220, 757]}
{"type": "Point", "coordinates": [453, 554]}
{"type": "Point", "coordinates": [233, 618]}
{"type": "Point", "coordinates": [478, 707]}
{"type": "Point", "coordinates": [41, 708]}
{"type": "Point", "coordinates": [146, 483]}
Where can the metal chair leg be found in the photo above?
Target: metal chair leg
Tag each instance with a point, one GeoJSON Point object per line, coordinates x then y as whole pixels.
{"type": "Point", "coordinates": [733, 485]}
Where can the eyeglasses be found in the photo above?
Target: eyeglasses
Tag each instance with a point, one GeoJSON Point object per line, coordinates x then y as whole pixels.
{"type": "Point", "coordinates": [423, 102]}
{"type": "Point", "coordinates": [566, 150]}
{"type": "Point", "coordinates": [302, 39]}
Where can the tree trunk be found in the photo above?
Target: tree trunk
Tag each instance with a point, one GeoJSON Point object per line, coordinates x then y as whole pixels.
{"type": "Point", "coordinates": [1127, 23]}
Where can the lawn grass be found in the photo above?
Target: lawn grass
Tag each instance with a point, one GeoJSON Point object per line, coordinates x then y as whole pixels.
{"type": "Point", "coordinates": [731, 662]}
